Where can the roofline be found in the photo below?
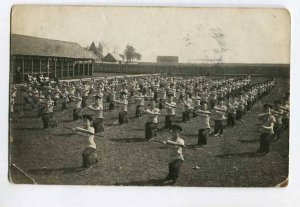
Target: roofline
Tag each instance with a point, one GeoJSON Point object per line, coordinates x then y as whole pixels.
{"type": "Point", "coordinates": [55, 57]}
{"type": "Point", "coordinates": [46, 38]}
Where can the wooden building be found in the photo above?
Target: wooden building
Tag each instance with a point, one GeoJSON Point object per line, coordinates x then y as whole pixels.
{"type": "Point", "coordinates": [33, 55]}
{"type": "Point", "coordinates": [167, 59]}
{"type": "Point", "coordinates": [113, 58]}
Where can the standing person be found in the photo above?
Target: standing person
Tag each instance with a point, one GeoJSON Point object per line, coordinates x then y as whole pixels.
{"type": "Point", "coordinates": [240, 109]}
{"type": "Point", "coordinates": [219, 116]}
{"type": "Point", "coordinates": [213, 97]}
{"type": "Point", "coordinates": [77, 111]}
{"type": "Point", "coordinates": [232, 105]}
{"type": "Point", "coordinates": [123, 114]}
{"type": "Point", "coordinates": [187, 106]}
{"type": "Point", "coordinates": [175, 155]}
{"type": "Point", "coordinates": [162, 96]}
{"type": "Point", "coordinates": [89, 156]}
{"type": "Point", "coordinates": [112, 98]}
{"type": "Point", "coordinates": [204, 126]}
{"type": "Point", "coordinates": [286, 114]}
{"type": "Point", "coordinates": [85, 95]}
{"type": "Point", "coordinates": [66, 100]}
{"type": "Point", "coordinates": [267, 130]}
{"type": "Point", "coordinates": [18, 75]}
{"type": "Point", "coordinates": [170, 112]}
{"type": "Point", "coordinates": [98, 114]}
{"type": "Point", "coordinates": [278, 120]}
{"type": "Point", "coordinates": [151, 124]}
{"type": "Point", "coordinates": [139, 104]}
{"type": "Point", "coordinates": [47, 115]}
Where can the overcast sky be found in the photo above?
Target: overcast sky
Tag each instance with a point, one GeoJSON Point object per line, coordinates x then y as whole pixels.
{"type": "Point", "coordinates": [193, 34]}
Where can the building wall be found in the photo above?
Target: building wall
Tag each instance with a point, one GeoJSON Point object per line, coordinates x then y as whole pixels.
{"type": "Point", "coordinates": [167, 59]}
{"type": "Point", "coordinates": [52, 66]}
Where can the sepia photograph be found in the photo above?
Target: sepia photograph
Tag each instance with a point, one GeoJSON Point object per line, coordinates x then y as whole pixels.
{"type": "Point", "coordinates": [149, 96]}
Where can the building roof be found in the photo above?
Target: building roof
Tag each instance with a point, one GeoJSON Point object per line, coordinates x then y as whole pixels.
{"type": "Point", "coordinates": [115, 56]}
{"type": "Point", "coordinates": [35, 46]}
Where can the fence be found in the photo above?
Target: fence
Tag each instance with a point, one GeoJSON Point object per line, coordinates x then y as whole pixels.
{"type": "Point", "coordinates": [276, 70]}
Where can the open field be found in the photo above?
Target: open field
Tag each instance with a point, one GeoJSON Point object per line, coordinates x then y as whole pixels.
{"type": "Point", "coordinates": [126, 158]}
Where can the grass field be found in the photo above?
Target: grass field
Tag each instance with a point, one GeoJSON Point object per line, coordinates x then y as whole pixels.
{"type": "Point", "coordinates": [126, 158]}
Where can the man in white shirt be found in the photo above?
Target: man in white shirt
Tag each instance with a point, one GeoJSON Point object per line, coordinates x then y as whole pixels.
{"type": "Point", "coordinates": [175, 155]}
{"type": "Point", "coordinates": [47, 114]}
{"type": "Point", "coordinates": [170, 112]}
{"type": "Point", "coordinates": [97, 108]}
{"type": "Point", "coordinates": [123, 114]}
{"type": "Point", "coordinates": [187, 107]}
{"type": "Point", "coordinates": [267, 130]}
{"type": "Point", "coordinates": [151, 125]}
{"type": "Point", "coordinates": [204, 126]}
{"type": "Point", "coordinates": [139, 98]}
{"type": "Point", "coordinates": [219, 115]}
{"type": "Point", "coordinates": [232, 105]}
{"type": "Point", "coordinates": [77, 100]}
{"type": "Point", "coordinates": [89, 155]}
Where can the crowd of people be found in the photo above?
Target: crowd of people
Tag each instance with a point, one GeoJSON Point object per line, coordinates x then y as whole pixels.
{"type": "Point", "coordinates": [222, 101]}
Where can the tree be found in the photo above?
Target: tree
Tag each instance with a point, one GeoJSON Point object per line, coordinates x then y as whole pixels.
{"type": "Point", "coordinates": [130, 54]}
{"type": "Point", "coordinates": [100, 48]}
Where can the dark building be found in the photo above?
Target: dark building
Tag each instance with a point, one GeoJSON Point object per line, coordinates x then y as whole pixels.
{"type": "Point", "coordinates": [33, 55]}
{"type": "Point", "coordinates": [167, 59]}
{"type": "Point", "coordinates": [113, 58]}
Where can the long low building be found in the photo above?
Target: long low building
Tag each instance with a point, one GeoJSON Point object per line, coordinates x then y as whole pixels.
{"type": "Point", "coordinates": [54, 58]}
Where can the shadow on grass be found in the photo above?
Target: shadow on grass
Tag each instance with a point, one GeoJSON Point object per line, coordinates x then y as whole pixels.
{"type": "Point", "coordinates": [28, 116]}
{"type": "Point", "coordinates": [242, 154]}
{"type": "Point", "coordinates": [151, 182]}
{"type": "Point", "coordinates": [128, 140]}
{"type": "Point", "coordinates": [248, 141]}
{"type": "Point", "coordinates": [186, 134]}
{"type": "Point", "coordinates": [67, 121]}
{"type": "Point", "coordinates": [48, 171]}
{"type": "Point", "coordinates": [29, 128]}
{"type": "Point", "coordinates": [65, 135]}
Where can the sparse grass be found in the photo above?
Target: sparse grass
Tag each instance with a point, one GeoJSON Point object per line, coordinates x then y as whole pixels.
{"type": "Point", "coordinates": [126, 158]}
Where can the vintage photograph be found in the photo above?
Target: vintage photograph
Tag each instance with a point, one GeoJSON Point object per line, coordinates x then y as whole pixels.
{"type": "Point", "coordinates": [149, 96]}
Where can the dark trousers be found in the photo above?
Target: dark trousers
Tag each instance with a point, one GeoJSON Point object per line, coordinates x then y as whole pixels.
{"type": "Point", "coordinates": [98, 125]}
{"type": "Point", "coordinates": [231, 119]}
{"type": "Point", "coordinates": [46, 117]}
{"type": "Point", "coordinates": [219, 99]}
{"type": "Point", "coordinates": [277, 131]}
{"type": "Point", "coordinates": [123, 117]}
{"type": "Point", "coordinates": [249, 105]}
{"type": "Point", "coordinates": [286, 123]}
{"type": "Point", "coordinates": [185, 116]}
{"type": "Point", "coordinates": [84, 101]}
{"type": "Point", "coordinates": [212, 103]}
{"type": "Point", "coordinates": [160, 105]}
{"type": "Point", "coordinates": [169, 121]}
{"type": "Point", "coordinates": [89, 157]}
{"type": "Point", "coordinates": [174, 170]}
{"type": "Point", "coordinates": [150, 130]}
{"type": "Point", "coordinates": [218, 126]}
{"type": "Point", "coordinates": [64, 105]}
{"type": "Point", "coordinates": [202, 136]}
{"type": "Point", "coordinates": [265, 139]}
{"type": "Point", "coordinates": [239, 115]}
{"type": "Point", "coordinates": [77, 114]}
{"type": "Point", "coordinates": [111, 105]}
{"type": "Point", "coordinates": [138, 111]}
